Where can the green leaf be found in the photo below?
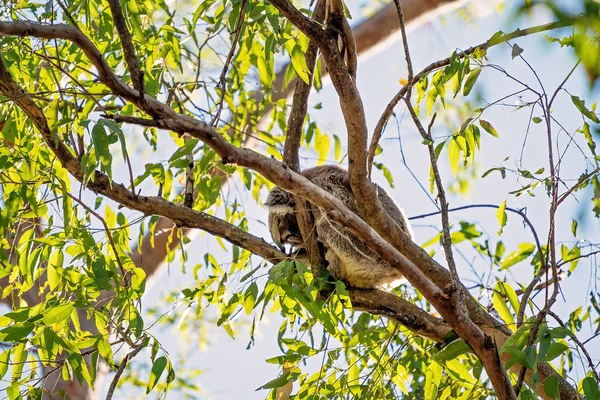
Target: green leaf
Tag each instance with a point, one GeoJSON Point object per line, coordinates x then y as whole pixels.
{"type": "Point", "coordinates": [4, 359]}
{"type": "Point", "coordinates": [590, 388]}
{"type": "Point", "coordinates": [277, 382]}
{"type": "Point", "coordinates": [574, 227]}
{"type": "Point", "coordinates": [452, 351]}
{"type": "Point", "coordinates": [555, 350]}
{"type": "Point", "coordinates": [516, 51]}
{"type": "Point", "coordinates": [250, 297]}
{"type": "Point", "coordinates": [525, 250]}
{"type": "Point", "coordinates": [299, 63]}
{"type": "Point", "coordinates": [501, 216]}
{"type": "Point", "coordinates": [471, 79]}
{"type": "Point", "coordinates": [386, 173]}
{"type": "Point", "coordinates": [157, 369]}
{"type": "Point", "coordinates": [52, 115]}
{"type": "Point", "coordinates": [58, 314]}
{"type": "Point", "coordinates": [16, 332]}
{"type": "Point", "coordinates": [488, 127]}
{"type": "Point", "coordinates": [204, 5]}
{"type": "Point", "coordinates": [502, 307]}
{"type": "Point", "coordinates": [184, 150]}
{"type": "Point", "coordinates": [453, 156]}
{"type": "Point", "coordinates": [580, 104]}
{"type": "Point", "coordinates": [433, 377]}
{"type": "Point", "coordinates": [19, 358]}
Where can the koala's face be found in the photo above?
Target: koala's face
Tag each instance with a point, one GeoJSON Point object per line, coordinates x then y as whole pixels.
{"type": "Point", "coordinates": [282, 220]}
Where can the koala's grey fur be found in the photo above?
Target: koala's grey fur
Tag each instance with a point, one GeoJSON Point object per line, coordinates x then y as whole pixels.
{"type": "Point", "coordinates": [349, 259]}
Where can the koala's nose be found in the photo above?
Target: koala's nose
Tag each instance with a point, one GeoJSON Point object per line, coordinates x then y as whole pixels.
{"type": "Point", "coordinates": [285, 235]}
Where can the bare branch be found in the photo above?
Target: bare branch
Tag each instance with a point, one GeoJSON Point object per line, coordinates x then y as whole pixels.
{"type": "Point", "coordinates": [291, 150]}
{"type": "Point", "coordinates": [300, 99]}
{"type": "Point", "coordinates": [137, 77]}
{"type": "Point", "coordinates": [222, 80]}
{"type": "Point", "coordinates": [121, 369]}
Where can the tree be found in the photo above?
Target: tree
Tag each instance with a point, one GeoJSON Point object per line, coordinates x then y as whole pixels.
{"type": "Point", "coordinates": [97, 67]}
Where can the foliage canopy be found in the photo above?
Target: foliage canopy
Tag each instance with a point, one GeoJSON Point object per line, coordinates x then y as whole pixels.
{"type": "Point", "coordinates": [117, 116]}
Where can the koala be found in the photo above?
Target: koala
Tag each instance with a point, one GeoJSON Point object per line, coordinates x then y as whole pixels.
{"type": "Point", "coordinates": [348, 258]}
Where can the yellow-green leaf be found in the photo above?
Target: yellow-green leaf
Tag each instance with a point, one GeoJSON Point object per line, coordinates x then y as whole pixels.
{"type": "Point", "coordinates": [502, 217]}
{"type": "Point", "coordinates": [157, 369]}
{"type": "Point", "coordinates": [453, 156]}
{"type": "Point", "coordinates": [501, 306]}
{"type": "Point", "coordinates": [472, 78]}
{"type": "Point", "coordinates": [488, 127]}
{"type": "Point", "coordinates": [58, 313]}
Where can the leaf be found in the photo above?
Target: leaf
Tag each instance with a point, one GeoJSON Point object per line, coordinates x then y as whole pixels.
{"type": "Point", "coordinates": [452, 351]}
{"type": "Point", "coordinates": [157, 369]}
{"type": "Point", "coordinates": [574, 227]}
{"type": "Point", "coordinates": [275, 383]}
{"type": "Point", "coordinates": [588, 137]}
{"type": "Point", "coordinates": [433, 377]}
{"type": "Point", "coordinates": [16, 332]}
{"type": "Point", "coordinates": [299, 63]}
{"type": "Point", "coordinates": [590, 388]}
{"type": "Point", "coordinates": [525, 250]}
{"type": "Point", "coordinates": [501, 216]}
{"type": "Point", "coordinates": [502, 307]}
{"type": "Point", "coordinates": [58, 313]}
{"type": "Point", "coordinates": [471, 79]}
{"type": "Point", "coordinates": [555, 350]}
{"type": "Point", "coordinates": [204, 5]}
{"type": "Point", "coordinates": [19, 358]}
{"type": "Point", "coordinates": [488, 127]}
{"type": "Point", "coordinates": [580, 104]}
{"type": "Point", "coordinates": [453, 156]}
{"type": "Point", "coordinates": [510, 293]}
{"type": "Point", "coordinates": [250, 297]}
{"type": "Point", "coordinates": [4, 358]}
{"type": "Point", "coordinates": [386, 173]}
{"type": "Point", "coordinates": [516, 51]}
{"type": "Point", "coordinates": [184, 150]}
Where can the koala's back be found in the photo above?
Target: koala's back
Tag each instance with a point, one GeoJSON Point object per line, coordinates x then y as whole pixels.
{"type": "Point", "coordinates": [337, 182]}
{"type": "Point", "coordinates": [349, 258]}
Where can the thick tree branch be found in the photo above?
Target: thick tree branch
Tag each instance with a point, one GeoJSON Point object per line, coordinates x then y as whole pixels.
{"type": "Point", "coordinates": [291, 150]}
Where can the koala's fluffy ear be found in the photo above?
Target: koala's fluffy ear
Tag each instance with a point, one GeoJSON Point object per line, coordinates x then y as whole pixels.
{"type": "Point", "coordinates": [280, 202]}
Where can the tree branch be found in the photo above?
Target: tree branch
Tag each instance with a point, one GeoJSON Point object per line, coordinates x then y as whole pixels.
{"type": "Point", "coordinates": [137, 77]}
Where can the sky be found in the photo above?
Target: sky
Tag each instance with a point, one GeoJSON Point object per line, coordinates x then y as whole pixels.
{"type": "Point", "coordinates": [229, 370]}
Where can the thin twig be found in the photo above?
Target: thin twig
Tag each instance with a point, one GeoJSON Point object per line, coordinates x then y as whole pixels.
{"type": "Point", "coordinates": [137, 77]}
{"type": "Point", "coordinates": [121, 369]}
{"type": "Point", "coordinates": [222, 80]}
{"type": "Point", "coordinates": [108, 234]}
{"type": "Point", "coordinates": [382, 122]}
{"type": "Point", "coordinates": [578, 343]}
